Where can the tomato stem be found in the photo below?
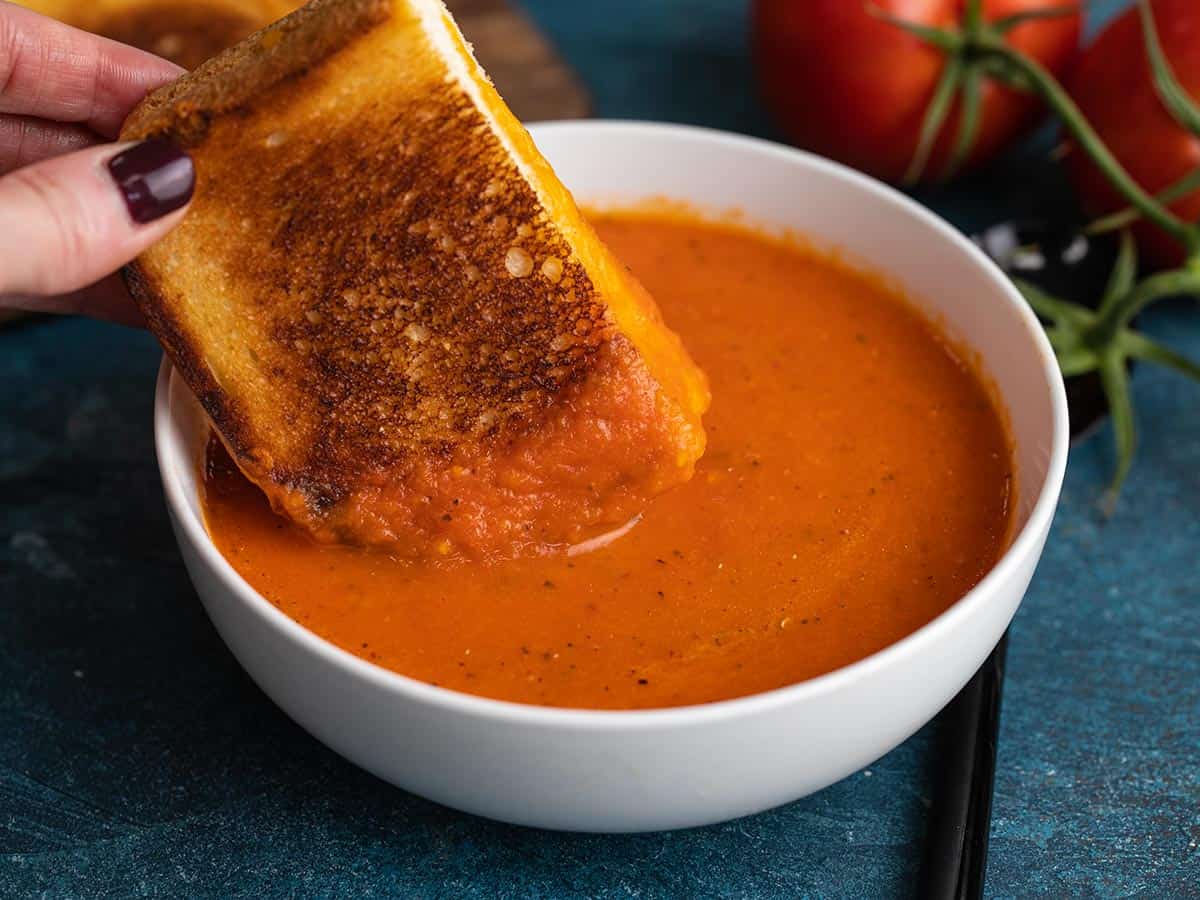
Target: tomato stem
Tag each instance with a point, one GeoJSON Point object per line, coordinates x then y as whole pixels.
{"type": "Point", "coordinates": [973, 17]}
{"type": "Point", "coordinates": [968, 124]}
{"type": "Point", "coordinates": [1123, 276]}
{"type": "Point", "coordinates": [1100, 340]}
{"type": "Point", "coordinates": [1053, 94]}
{"type": "Point", "coordinates": [1051, 308]}
{"type": "Point", "coordinates": [1084, 340]}
{"type": "Point", "coordinates": [949, 42]}
{"type": "Point", "coordinates": [1007, 23]}
{"type": "Point", "coordinates": [935, 115]}
{"type": "Point", "coordinates": [1141, 347]}
{"type": "Point", "coordinates": [1177, 101]}
{"type": "Point", "coordinates": [981, 48]}
{"type": "Point", "coordinates": [1127, 216]}
{"type": "Point", "coordinates": [1120, 313]}
{"type": "Point", "coordinates": [1115, 380]}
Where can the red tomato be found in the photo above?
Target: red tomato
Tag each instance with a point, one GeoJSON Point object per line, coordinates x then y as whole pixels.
{"type": "Point", "coordinates": [852, 87]}
{"type": "Point", "coordinates": [1114, 87]}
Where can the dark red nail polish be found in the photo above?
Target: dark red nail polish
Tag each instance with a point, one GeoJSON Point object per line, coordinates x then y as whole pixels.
{"type": "Point", "coordinates": [155, 178]}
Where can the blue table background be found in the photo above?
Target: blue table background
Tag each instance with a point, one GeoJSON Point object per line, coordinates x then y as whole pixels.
{"type": "Point", "coordinates": [137, 759]}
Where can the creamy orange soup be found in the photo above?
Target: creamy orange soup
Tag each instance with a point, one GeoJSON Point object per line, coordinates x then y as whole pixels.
{"type": "Point", "coordinates": [857, 482]}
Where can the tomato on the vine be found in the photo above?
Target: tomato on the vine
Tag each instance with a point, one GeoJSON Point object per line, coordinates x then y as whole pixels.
{"type": "Point", "coordinates": [846, 83]}
{"type": "Point", "coordinates": [1114, 88]}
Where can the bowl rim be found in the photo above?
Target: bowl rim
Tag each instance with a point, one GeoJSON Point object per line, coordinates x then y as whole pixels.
{"type": "Point", "coordinates": [1024, 543]}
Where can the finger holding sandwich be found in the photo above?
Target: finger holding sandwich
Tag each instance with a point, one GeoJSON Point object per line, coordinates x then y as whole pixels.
{"type": "Point", "coordinates": [73, 207]}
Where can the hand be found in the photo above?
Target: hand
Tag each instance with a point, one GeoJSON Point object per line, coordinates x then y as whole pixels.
{"type": "Point", "coordinates": [74, 209]}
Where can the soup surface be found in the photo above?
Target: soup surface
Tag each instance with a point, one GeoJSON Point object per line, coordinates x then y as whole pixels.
{"type": "Point", "coordinates": [856, 484]}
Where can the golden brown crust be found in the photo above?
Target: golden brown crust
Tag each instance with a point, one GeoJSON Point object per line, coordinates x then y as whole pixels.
{"type": "Point", "coordinates": [368, 293]}
{"type": "Point", "coordinates": [302, 39]}
{"type": "Point", "coordinates": [404, 318]}
{"type": "Point", "coordinates": [185, 354]}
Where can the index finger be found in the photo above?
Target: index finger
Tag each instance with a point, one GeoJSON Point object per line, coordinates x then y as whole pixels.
{"type": "Point", "coordinates": [53, 71]}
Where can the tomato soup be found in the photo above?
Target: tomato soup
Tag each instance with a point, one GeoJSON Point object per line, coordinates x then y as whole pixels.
{"type": "Point", "coordinates": [857, 482]}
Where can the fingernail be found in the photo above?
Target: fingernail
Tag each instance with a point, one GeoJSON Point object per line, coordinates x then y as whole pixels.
{"type": "Point", "coordinates": [155, 178]}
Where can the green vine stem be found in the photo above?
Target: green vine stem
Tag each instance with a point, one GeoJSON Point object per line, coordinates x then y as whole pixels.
{"type": "Point", "coordinates": [1009, 22]}
{"type": "Point", "coordinates": [1166, 284]}
{"type": "Point", "coordinates": [939, 108]}
{"type": "Point", "coordinates": [1100, 340]}
{"type": "Point", "coordinates": [979, 48]}
{"type": "Point", "coordinates": [1114, 377]}
{"type": "Point", "coordinates": [1178, 104]}
{"type": "Point", "coordinates": [1048, 88]}
{"type": "Point", "coordinates": [1085, 339]}
{"type": "Point", "coordinates": [1176, 100]}
{"type": "Point", "coordinates": [1127, 216]}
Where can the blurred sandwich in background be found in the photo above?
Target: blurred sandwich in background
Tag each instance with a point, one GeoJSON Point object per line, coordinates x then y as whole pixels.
{"type": "Point", "coordinates": [187, 32]}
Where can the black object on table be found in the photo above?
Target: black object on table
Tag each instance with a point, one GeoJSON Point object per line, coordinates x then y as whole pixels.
{"type": "Point", "coordinates": [1060, 259]}
{"type": "Point", "coordinates": [956, 841]}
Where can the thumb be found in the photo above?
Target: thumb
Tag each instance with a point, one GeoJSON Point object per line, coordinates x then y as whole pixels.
{"type": "Point", "coordinates": [69, 221]}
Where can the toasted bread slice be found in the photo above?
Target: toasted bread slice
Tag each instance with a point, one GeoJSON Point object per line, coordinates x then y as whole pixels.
{"type": "Point", "coordinates": [187, 32]}
{"type": "Point", "coordinates": [399, 322]}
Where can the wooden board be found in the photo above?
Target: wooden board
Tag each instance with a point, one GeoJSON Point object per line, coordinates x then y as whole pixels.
{"type": "Point", "coordinates": [534, 80]}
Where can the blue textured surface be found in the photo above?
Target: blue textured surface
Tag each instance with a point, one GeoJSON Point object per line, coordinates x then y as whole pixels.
{"type": "Point", "coordinates": [137, 759]}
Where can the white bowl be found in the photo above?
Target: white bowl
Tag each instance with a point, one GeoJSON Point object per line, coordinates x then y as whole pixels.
{"type": "Point", "coordinates": [672, 768]}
